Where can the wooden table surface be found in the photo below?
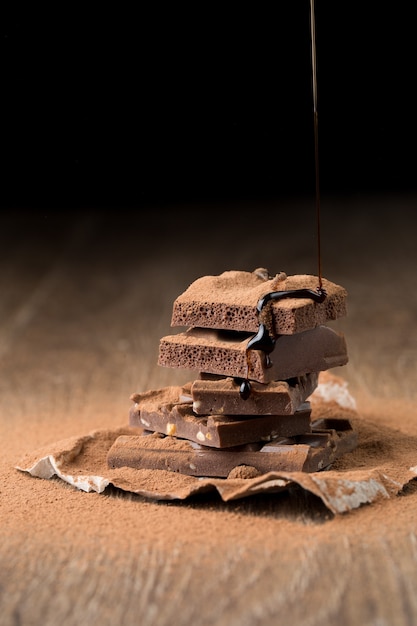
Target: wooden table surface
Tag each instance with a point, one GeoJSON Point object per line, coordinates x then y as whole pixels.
{"type": "Point", "coordinates": [85, 297]}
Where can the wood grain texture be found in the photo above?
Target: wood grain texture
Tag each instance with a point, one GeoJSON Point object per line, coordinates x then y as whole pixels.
{"type": "Point", "coordinates": [85, 298]}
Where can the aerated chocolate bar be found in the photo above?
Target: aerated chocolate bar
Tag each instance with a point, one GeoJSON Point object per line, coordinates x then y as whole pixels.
{"type": "Point", "coordinates": [226, 353]}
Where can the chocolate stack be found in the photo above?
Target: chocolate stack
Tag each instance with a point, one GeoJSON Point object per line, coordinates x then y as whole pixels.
{"type": "Point", "coordinates": [258, 344]}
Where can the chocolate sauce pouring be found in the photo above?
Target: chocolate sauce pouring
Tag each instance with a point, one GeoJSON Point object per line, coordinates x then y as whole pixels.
{"type": "Point", "coordinates": [316, 135]}
{"type": "Point", "coordinates": [263, 340]}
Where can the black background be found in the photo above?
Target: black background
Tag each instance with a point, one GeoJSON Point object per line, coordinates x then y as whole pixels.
{"type": "Point", "coordinates": [130, 107]}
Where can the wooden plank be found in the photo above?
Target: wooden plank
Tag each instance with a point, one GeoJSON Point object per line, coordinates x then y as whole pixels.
{"type": "Point", "coordinates": [83, 308]}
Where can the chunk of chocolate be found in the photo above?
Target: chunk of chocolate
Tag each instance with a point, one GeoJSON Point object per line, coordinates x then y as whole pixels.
{"type": "Point", "coordinates": [307, 453]}
{"type": "Point", "coordinates": [154, 399]}
{"type": "Point", "coordinates": [229, 301]}
{"type": "Point", "coordinates": [218, 431]}
{"type": "Point", "coordinates": [225, 353]}
{"type": "Point", "coordinates": [222, 396]}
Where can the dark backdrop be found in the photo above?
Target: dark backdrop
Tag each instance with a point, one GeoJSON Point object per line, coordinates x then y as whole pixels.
{"type": "Point", "coordinates": [125, 107]}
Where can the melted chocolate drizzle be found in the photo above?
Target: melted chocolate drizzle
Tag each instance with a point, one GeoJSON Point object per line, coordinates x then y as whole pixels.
{"type": "Point", "coordinates": [244, 387]}
{"type": "Point", "coordinates": [263, 340]}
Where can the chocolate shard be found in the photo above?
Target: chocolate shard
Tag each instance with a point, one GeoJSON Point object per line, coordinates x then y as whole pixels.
{"type": "Point", "coordinates": [218, 431]}
{"type": "Point", "coordinates": [225, 353]}
{"type": "Point", "coordinates": [307, 453]}
{"type": "Point", "coordinates": [229, 301]}
{"type": "Point", "coordinates": [343, 436]}
{"type": "Point", "coordinates": [222, 396]}
{"type": "Point", "coordinates": [153, 399]}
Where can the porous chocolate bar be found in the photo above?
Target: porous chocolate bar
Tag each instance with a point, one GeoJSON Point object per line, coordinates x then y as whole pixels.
{"type": "Point", "coordinates": [218, 431]}
{"type": "Point", "coordinates": [310, 452]}
{"type": "Point", "coordinates": [229, 302]}
{"type": "Point", "coordinates": [225, 353]}
{"type": "Point", "coordinates": [222, 396]}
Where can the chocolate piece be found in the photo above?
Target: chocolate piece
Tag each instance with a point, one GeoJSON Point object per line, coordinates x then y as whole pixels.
{"type": "Point", "coordinates": [218, 431]}
{"type": "Point", "coordinates": [307, 453]}
{"type": "Point", "coordinates": [154, 399]}
{"type": "Point", "coordinates": [222, 396]}
{"type": "Point", "coordinates": [229, 301]}
{"type": "Point", "coordinates": [347, 438]}
{"type": "Point", "coordinates": [225, 353]}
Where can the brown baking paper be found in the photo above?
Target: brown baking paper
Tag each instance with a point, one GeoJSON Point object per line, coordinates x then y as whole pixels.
{"type": "Point", "coordinates": [383, 462]}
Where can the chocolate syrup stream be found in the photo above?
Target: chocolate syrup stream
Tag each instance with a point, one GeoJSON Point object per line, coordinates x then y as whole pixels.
{"type": "Point", "coordinates": [263, 340]}
{"type": "Point", "coordinates": [316, 135]}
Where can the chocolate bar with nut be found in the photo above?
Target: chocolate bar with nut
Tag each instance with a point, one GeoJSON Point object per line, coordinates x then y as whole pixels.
{"type": "Point", "coordinates": [178, 419]}
{"type": "Point", "coordinates": [309, 452]}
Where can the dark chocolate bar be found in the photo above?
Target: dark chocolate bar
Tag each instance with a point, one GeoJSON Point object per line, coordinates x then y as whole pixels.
{"type": "Point", "coordinates": [222, 396]}
{"type": "Point", "coordinates": [313, 451]}
{"type": "Point", "coordinates": [218, 431]}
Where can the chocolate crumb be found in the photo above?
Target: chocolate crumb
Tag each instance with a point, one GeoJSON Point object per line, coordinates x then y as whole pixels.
{"type": "Point", "coordinates": [244, 471]}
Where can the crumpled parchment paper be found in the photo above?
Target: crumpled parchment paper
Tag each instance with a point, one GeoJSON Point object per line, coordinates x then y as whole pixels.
{"type": "Point", "coordinates": [383, 462]}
